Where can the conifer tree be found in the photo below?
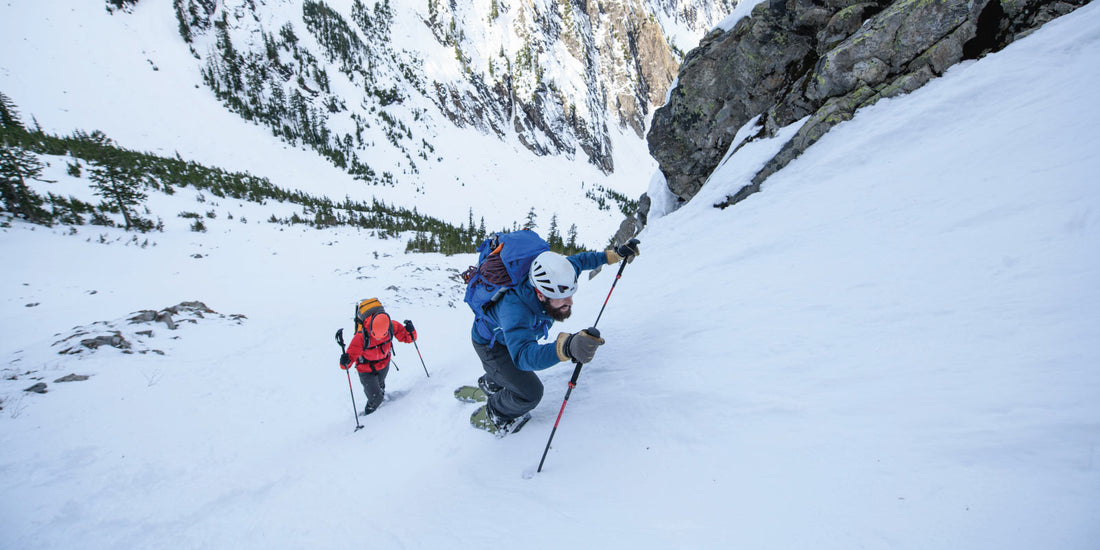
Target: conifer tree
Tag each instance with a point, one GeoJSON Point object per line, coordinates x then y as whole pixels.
{"type": "Point", "coordinates": [531, 220]}
{"type": "Point", "coordinates": [233, 60]}
{"type": "Point", "coordinates": [16, 167]}
{"type": "Point", "coordinates": [120, 185]}
{"type": "Point", "coordinates": [9, 116]}
{"type": "Point", "coordinates": [553, 238]}
{"type": "Point", "coordinates": [571, 245]}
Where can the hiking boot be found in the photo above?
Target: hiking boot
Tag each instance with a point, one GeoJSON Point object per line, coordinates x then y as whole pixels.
{"type": "Point", "coordinates": [488, 386]}
{"type": "Point", "coordinates": [486, 419]}
{"type": "Point", "coordinates": [368, 409]}
{"type": "Point", "coordinates": [482, 419]}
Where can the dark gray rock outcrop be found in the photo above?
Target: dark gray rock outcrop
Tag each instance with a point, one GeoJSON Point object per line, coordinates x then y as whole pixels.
{"type": "Point", "coordinates": [37, 388]}
{"type": "Point", "coordinates": [130, 339]}
{"type": "Point", "coordinates": [823, 60]}
{"type": "Point", "coordinates": [73, 377]}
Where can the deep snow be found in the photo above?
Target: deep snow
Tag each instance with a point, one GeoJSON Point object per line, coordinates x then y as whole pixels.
{"type": "Point", "coordinates": [894, 345]}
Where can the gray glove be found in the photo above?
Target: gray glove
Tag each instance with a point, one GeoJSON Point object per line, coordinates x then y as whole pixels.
{"type": "Point", "coordinates": [579, 347]}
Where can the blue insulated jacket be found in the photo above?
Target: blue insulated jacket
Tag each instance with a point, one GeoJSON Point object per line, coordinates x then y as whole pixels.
{"type": "Point", "coordinates": [518, 320]}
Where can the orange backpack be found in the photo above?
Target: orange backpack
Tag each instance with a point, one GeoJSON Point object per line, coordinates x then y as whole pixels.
{"type": "Point", "coordinates": [365, 313]}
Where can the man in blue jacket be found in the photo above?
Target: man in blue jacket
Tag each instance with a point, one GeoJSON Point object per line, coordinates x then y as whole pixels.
{"type": "Point", "coordinates": [506, 338]}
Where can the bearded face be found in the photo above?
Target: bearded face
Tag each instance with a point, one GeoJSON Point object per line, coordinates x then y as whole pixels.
{"type": "Point", "coordinates": [558, 310]}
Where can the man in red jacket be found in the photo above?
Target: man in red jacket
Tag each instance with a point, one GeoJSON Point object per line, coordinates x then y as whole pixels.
{"type": "Point", "coordinates": [372, 352]}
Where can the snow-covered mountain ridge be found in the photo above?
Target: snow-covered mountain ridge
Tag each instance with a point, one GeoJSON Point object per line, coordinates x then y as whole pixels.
{"type": "Point", "coordinates": [369, 86]}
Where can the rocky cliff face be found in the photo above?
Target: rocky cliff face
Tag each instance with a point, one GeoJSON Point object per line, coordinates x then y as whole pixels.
{"type": "Point", "coordinates": [558, 74]}
{"type": "Point", "coordinates": [821, 59]}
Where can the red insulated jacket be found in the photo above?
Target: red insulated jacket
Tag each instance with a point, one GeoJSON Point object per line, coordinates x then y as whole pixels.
{"type": "Point", "coordinates": [375, 356]}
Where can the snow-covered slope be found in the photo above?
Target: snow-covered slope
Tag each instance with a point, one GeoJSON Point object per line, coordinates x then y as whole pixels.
{"type": "Point", "coordinates": [893, 346]}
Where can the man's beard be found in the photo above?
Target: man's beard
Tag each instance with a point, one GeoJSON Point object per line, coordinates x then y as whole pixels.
{"type": "Point", "coordinates": [558, 314]}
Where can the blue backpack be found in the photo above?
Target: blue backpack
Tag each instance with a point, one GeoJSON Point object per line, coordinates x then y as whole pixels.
{"type": "Point", "coordinates": [502, 263]}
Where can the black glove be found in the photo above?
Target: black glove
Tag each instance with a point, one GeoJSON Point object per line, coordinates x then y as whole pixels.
{"type": "Point", "coordinates": [629, 250]}
{"type": "Point", "coordinates": [580, 346]}
{"type": "Point", "coordinates": [344, 360]}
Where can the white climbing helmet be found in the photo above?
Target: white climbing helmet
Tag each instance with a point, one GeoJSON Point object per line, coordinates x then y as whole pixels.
{"type": "Point", "coordinates": [553, 275]}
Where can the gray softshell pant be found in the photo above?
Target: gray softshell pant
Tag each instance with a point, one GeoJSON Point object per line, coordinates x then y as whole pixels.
{"type": "Point", "coordinates": [374, 385]}
{"type": "Point", "coordinates": [522, 389]}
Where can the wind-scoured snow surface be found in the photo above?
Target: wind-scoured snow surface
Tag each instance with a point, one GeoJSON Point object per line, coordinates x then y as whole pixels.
{"type": "Point", "coordinates": [895, 345]}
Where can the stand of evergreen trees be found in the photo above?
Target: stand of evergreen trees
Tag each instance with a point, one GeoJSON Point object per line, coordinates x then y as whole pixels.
{"type": "Point", "coordinates": [123, 178]}
{"type": "Point", "coordinates": [602, 195]}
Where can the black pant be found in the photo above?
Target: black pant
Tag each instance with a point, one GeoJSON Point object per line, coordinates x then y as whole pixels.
{"type": "Point", "coordinates": [374, 385]}
{"type": "Point", "coordinates": [522, 389]}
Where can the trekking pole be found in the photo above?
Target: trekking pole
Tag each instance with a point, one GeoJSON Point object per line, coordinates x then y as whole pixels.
{"type": "Point", "coordinates": [354, 407]}
{"type": "Point", "coordinates": [412, 330]}
{"type": "Point", "coordinates": [618, 276]}
{"type": "Point", "coordinates": [577, 370]}
{"type": "Point", "coordinates": [421, 359]}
